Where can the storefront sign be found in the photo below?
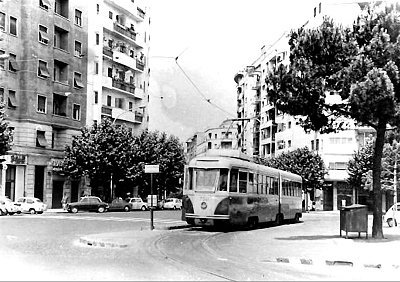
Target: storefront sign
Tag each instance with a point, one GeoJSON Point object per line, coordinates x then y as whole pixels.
{"type": "Point", "coordinates": [18, 159]}
{"type": "Point", "coordinates": [58, 165]}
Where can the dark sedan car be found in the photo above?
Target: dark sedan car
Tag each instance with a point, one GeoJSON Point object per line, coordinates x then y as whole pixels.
{"type": "Point", "coordinates": [119, 204]}
{"type": "Point", "coordinates": [88, 203]}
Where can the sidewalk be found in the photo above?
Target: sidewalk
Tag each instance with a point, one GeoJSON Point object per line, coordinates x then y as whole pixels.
{"type": "Point", "coordinates": [303, 243]}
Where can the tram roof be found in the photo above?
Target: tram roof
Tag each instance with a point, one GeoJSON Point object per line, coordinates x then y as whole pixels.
{"type": "Point", "coordinates": [225, 158]}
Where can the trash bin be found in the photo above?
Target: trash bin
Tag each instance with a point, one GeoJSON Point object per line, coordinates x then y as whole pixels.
{"type": "Point", "coordinates": [354, 218]}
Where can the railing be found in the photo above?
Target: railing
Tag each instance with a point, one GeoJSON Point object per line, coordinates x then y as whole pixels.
{"type": "Point", "coordinates": [141, 13]}
{"type": "Point", "coordinates": [123, 30]}
{"type": "Point", "coordinates": [106, 110]}
{"type": "Point", "coordinates": [139, 65]}
{"type": "Point", "coordinates": [107, 51]}
{"type": "Point", "coordinates": [125, 86]}
{"type": "Point", "coordinates": [138, 116]}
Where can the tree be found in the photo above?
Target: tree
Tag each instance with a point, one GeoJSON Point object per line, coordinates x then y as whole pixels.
{"type": "Point", "coordinates": [303, 162]}
{"type": "Point", "coordinates": [360, 165]}
{"type": "Point", "coordinates": [358, 64]}
{"type": "Point", "coordinates": [107, 152]}
{"type": "Point", "coordinates": [5, 133]}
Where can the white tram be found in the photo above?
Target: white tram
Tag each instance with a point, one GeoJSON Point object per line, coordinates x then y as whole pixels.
{"type": "Point", "coordinates": [227, 187]}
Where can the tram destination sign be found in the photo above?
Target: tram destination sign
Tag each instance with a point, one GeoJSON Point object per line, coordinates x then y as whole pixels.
{"type": "Point", "coordinates": [151, 168]}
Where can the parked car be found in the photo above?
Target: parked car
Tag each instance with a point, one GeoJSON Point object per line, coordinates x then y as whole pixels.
{"type": "Point", "coordinates": [173, 203]}
{"type": "Point", "coordinates": [392, 216]}
{"type": "Point", "coordinates": [31, 205]}
{"type": "Point", "coordinates": [88, 203]}
{"type": "Point", "coordinates": [119, 204]}
{"type": "Point", "coordinates": [138, 204]}
{"type": "Point", "coordinates": [9, 206]}
{"type": "Point", "coordinates": [3, 210]}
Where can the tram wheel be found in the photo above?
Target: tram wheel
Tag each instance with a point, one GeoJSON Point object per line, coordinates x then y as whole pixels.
{"type": "Point", "coordinates": [279, 219]}
{"type": "Point", "coordinates": [252, 222]}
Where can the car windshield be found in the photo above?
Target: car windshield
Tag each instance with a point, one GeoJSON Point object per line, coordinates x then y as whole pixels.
{"type": "Point", "coordinates": [206, 179]}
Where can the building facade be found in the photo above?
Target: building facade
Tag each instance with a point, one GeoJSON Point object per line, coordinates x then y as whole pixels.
{"type": "Point", "coordinates": [266, 132]}
{"type": "Point", "coordinates": [57, 76]}
{"type": "Point", "coordinates": [223, 137]}
{"type": "Point", "coordinates": [118, 69]}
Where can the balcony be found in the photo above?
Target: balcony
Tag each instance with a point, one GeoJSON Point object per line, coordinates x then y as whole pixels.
{"type": "Point", "coordinates": [105, 110]}
{"type": "Point", "coordinates": [139, 64]}
{"type": "Point", "coordinates": [140, 13]}
{"type": "Point", "coordinates": [128, 8]}
{"type": "Point", "coordinates": [125, 31]}
{"type": "Point", "coordinates": [107, 51]}
{"type": "Point", "coordinates": [129, 116]}
{"type": "Point", "coordinates": [124, 59]}
{"type": "Point", "coordinates": [138, 116]}
{"type": "Point", "coordinates": [124, 86]}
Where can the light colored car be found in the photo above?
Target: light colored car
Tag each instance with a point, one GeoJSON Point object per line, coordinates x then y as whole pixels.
{"type": "Point", "coordinates": [173, 203]}
{"type": "Point", "coordinates": [138, 204]}
{"type": "Point", "coordinates": [31, 205]}
{"type": "Point", "coordinates": [392, 216]}
{"type": "Point", "coordinates": [10, 207]}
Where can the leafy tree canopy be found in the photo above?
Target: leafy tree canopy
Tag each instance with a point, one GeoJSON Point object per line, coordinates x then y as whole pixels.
{"type": "Point", "coordinates": [303, 162]}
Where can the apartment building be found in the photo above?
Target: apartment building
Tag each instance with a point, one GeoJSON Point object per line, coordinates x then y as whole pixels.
{"type": "Point", "coordinates": [118, 70]}
{"type": "Point", "coordinates": [265, 131]}
{"type": "Point", "coordinates": [66, 64]}
{"type": "Point", "coordinates": [223, 137]}
{"type": "Point", "coordinates": [43, 84]}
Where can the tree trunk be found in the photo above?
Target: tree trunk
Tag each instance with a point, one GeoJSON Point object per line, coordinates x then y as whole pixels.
{"type": "Point", "coordinates": [377, 231]}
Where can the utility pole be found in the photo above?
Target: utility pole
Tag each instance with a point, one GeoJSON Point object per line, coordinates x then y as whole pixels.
{"type": "Point", "coordinates": [395, 179]}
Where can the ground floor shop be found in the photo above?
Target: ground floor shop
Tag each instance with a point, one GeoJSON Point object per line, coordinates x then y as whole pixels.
{"type": "Point", "coordinates": [40, 176]}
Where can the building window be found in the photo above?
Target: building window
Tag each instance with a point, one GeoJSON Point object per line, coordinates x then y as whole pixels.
{"type": "Point", "coordinates": [43, 35]}
{"type": "Point", "coordinates": [98, 8]}
{"type": "Point", "coordinates": [119, 103]}
{"type": "Point", "coordinates": [1, 95]}
{"type": "Point", "coordinates": [109, 72]}
{"type": "Point", "coordinates": [41, 139]}
{"type": "Point", "coordinates": [320, 8]}
{"type": "Point", "coordinates": [42, 69]}
{"type": "Point", "coordinates": [2, 63]}
{"type": "Point", "coordinates": [2, 21]}
{"type": "Point", "coordinates": [109, 100]}
{"type": "Point", "coordinates": [12, 63]}
{"type": "Point", "coordinates": [61, 7]}
{"type": "Point", "coordinates": [97, 39]}
{"type": "Point", "coordinates": [13, 26]}
{"type": "Point", "coordinates": [110, 15]}
{"type": "Point", "coordinates": [61, 38]}
{"type": "Point", "coordinates": [78, 80]}
{"type": "Point", "coordinates": [41, 104]}
{"type": "Point", "coordinates": [59, 105]}
{"type": "Point", "coordinates": [78, 17]}
{"type": "Point", "coordinates": [315, 12]}
{"type": "Point", "coordinates": [12, 100]}
{"type": "Point", "coordinates": [96, 68]}
{"type": "Point", "coordinates": [76, 112]}
{"type": "Point", "coordinates": [130, 106]}
{"type": "Point", "coordinates": [96, 97]}
{"type": "Point", "coordinates": [60, 72]}
{"type": "Point", "coordinates": [78, 49]}
{"type": "Point", "coordinates": [44, 4]}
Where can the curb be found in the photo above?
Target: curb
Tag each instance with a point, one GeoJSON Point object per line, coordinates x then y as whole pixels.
{"type": "Point", "coordinates": [95, 243]}
{"type": "Point", "coordinates": [308, 261]}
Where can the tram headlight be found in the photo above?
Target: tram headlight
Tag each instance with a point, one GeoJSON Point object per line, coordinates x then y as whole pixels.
{"type": "Point", "coordinates": [223, 207]}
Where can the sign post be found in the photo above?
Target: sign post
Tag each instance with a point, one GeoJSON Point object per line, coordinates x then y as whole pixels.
{"type": "Point", "coordinates": [151, 169]}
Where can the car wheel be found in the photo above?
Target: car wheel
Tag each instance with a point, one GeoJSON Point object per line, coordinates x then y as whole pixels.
{"type": "Point", "coordinates": [11, 213]}
{"type": "Point", "coordinates": [143, 208]}
{"type": "Point", "coordinates": [32, 211]}
{"type": "Point", "coordinates": [390, 222]}
{"type": "Point", "coordinates": [126, 208]}
{"type": "Point", "coordinates": [40, 212]}
{"type": "Point", "coordinates": [74, 210]}
{"type": "Point", "coordinates": [18, 212]}
{"type": "Point", "coordinates": [101, 209]}
{"type": "Point", "coordinates": [174, 207]}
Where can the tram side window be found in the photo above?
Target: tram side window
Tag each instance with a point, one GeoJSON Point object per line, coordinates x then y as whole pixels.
{"type": "Point", "coordinates": [242, 182]}
{"type": "Point", "coordinates": [251, 183]}
{"type": "Point", "coordinates": [260, 184]}
{"type": "Point", "coordinates": [189, 179]}
{"type": "Point", "coordinates": [223, 179]}
{"type": "Point", "coordinates": [270, 187]}
{"type": "Point", "coordinates": [233, 183]}
{"type": "Point", "coordinates": [275, 184]}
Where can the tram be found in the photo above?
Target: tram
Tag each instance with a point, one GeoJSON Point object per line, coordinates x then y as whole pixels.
{"type": "Point", "coordinates": [224, 187]}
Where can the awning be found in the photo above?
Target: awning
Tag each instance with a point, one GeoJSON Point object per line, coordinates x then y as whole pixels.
{"type": "Point", "coordinates": [13, 65]}
{"type": "Point", "coordinates": [46, 2]}
{"type": "Point", "coordinates": [12, 101]}
{"type": "Point", "coordinates": [43, 38]}
{"type": "Point", "coordinates": [41, 139]}
{"type": "Point", "coordinates": [43, 71]}
{"type": "Point", "coordinates": [78, 82]}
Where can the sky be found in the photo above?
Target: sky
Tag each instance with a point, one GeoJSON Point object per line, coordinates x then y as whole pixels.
{"type": "Point", "coordinates": [213, 39]}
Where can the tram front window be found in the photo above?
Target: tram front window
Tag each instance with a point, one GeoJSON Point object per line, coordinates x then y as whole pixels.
{"type": "Point", "coordinates": [206, 179]}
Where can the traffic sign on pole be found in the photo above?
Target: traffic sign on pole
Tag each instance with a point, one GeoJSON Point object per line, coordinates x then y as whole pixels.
{"type": "Point", "coordinates": [151, 169]}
